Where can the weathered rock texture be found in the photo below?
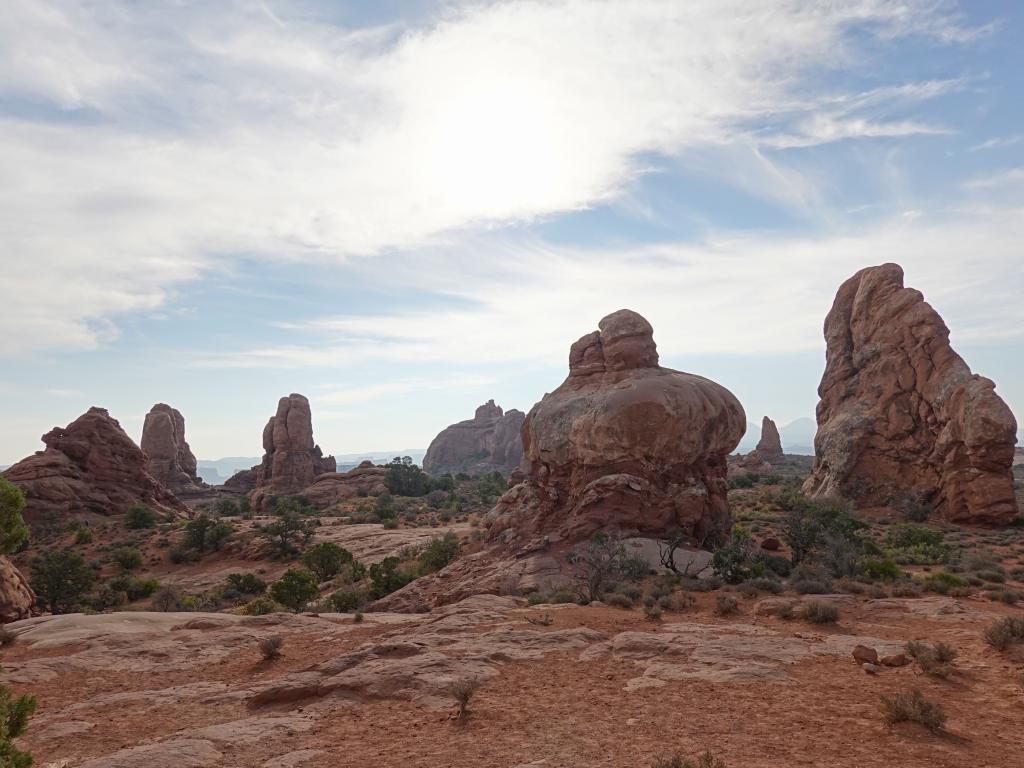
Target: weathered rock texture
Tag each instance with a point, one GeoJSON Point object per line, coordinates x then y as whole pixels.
{"type": "Point", "coordinates": [330, 488]}
{"type": "Point", "coordinates": [489, 442]}
{"type": "Point", "coordinates": [769, 447]}
{"type": "Point", "coordinates": [291, 459]}
{"type": "Point", "coordinates": [624, 444]}
{"type": "Point", "coordinates": [902, 419]}
{"type": "Point", "coordinates": [16, 596]}
{"type": "Point", "coordinates": [90, 466]}
{"type": "Point", "coordinates": [171, 461]}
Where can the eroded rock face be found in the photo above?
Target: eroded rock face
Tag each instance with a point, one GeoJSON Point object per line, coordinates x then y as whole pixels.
{"type": "Point", "coordinates": [769, 447]}
{"type": "Point", "coordinates": [171, 461]}
{"type": "Point", "coordinates": [901, 417]}
{"type": "Point", "coordinates": [16, 596]}
{"type": "Point", "coordinates": [90, 466]}
{"type": "Point", "coordinates": [489, 442]}
{"type": "Point", "coordinates": [291, 458]}
{"type": "Point", "coordinates": [331, 488]}
{"type": "Point", "coordinates": [623, 444]}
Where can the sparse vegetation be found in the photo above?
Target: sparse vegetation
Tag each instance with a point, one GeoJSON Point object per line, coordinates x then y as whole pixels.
{"type": "Point", "coordinates": [1005, 632]}
{"type": "Point", "coordinates": [936, 660]}
{"type": "Point", "coordinates": [127, 558]}
{"type": "Point", "coordinates": [61, 579]}
{"type": "Point", "coordinates": [14, 715]}
{"type": "Point", "coordinates": [139, 517]}
{"type": "Point", "coordinates": [270, 647]}
{"type": "Point", "coordinates": [596, 563]}
{"type": "Point", "coordinates": [913, 707]}
{"type": "Point", "coordinates": [292, 525]}
{"type": "Point", "coordinates": [295, 589]}
{"type": "Point", "coordinates": [462, 691]}
{"type": "Point", "coordinates": [13, 531]}
{"type": "Point", "coordinates": [819, 612]}
{"type": "Point", "coordinates": [726, 605]}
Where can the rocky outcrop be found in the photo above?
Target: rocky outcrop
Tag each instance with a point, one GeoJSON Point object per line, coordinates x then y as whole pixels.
{"type": "Point", "coordinates": [291, 458]}
{"type": "Point", "coordinates": [16, 596]}
{"type": "Point", "coordinates": [901, 418]}
{"type": "Point", "coordinates": [243, 481]}
{"type": "Point", "coordinates": [769, 447]}
{"type": "Point", "coordinates": [331, 488]}
{"type": "Point", "coordinates": [489, 442]}
{"type": "Point", "coordinates": [171, 461]}
{"type": "Point", "coordinates": [89, 467]}
{"type": "Point", "coordinates": [624, 444]}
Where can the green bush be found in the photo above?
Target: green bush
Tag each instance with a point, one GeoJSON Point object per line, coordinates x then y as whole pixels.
{"type": "Point", "coordinates": [13, 531]}
{"type": "Point", "coordinates": [405, 478]}
{"type": "Point", "coordinates": [913, 707]}
{"type": "Point", "coordinates": [732, 561]}
{"type": "Point", "coordinates": [139, 517]}
{"type": "Point", "coordinates": [346, 601]}
{"type": "Point", "coordinates": [326, 559]}
{"type": "Point", "coordinates": [941, 583]}
{"type": "Point", "coordinates": [167, 599]}
{"type": "Point", "coordinates": [127, 558]}
{"type": "Point", "coordinates": [385, 577]}
{"type": "Point", "coordinates": [908, 535]}
{"type": "Point", "coordinates": [261, 606]}
{"type": "Point", "coordinates": [134, 588]}
{"type": "Point", "coordinates": [83, 535]}
{"type": "Point", "coordinates": [291, 525]}
{"type": "Point", "coordinates": [204, 533]}
{"type": "Point", "coordinates": [619, 600]}
{"type": "Point", "coordinates": [881, 569]}
{"type": "Point", "coordinates": [247, 583]}
{"type": "Point", "coordinates": [295, 589]}
{"type": "Point", "coordinates": [60, 579]}
{"type": "Point", "coordinates": [14, 715]}
{"type": "Point", "coordinates": [438, 553]}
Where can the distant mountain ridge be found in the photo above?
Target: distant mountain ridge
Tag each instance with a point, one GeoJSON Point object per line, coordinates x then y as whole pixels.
{"type": "Point", "coordinates": [216, 471]}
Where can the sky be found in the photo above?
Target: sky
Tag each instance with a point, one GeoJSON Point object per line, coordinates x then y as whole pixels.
{"type": "Point", "coordinates": [403, 209]}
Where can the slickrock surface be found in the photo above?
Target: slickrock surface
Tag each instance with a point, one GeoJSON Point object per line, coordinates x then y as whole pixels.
{"type": "Point", "coordinates": [489, 442]}
{"type": "Point", "coordinates": [90, 467]}
{"type": "Point", "coordinates": [597, 686]}
{"type": "Point", "coordinates": [901, 418]}
{"type": "Point", "coordinates": [171, 461]}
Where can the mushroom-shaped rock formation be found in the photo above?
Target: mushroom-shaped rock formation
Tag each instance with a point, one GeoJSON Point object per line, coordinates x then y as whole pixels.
{"type": "Point", "coordinates": [624, 444]}
{"type": "Point", "coordinates": [489, 442]}
{"type": "Point", "coordinates": [89, 467]}
{"type": "Point", "coordinates": [901, 418]}
{"type": "Point", "coordinates": [291, 459]}
{"type": "Point", "coordinates": [171, 461]}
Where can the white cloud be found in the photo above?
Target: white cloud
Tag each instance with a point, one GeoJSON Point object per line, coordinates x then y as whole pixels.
{"type": "Point", "coordinates": [185, 134]}
{"type": "Point", "coordinates": [754, 294]}
{"type": "Point", "coordinates": [998, 142]}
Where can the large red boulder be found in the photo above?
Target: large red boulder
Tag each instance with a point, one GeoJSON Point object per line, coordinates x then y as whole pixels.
{"type": "Point", "coordinates": [171, 461]}
{"type": "Point", "coordinates": [16, 596]}
{"type": "Point", "coordinates": [902, 420]}
{"type": "Point", "coordinates": [624, 444]}
{"type": "Point", "coordinates": [89, 467]}
{"type": "Point", "coordinates": [489, 442]}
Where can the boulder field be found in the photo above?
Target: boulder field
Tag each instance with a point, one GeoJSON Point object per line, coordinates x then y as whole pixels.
{"type": "Point", "coordinates": [902, 419]}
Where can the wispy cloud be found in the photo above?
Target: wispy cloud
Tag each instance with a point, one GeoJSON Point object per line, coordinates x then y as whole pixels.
{"type": "Point", "coordinates": [999, 142]}
{"type": "Point", "coordinates": [144, 145]}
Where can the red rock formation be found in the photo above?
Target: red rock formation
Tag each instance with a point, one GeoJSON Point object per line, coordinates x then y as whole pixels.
{"type": "Point", "coordinates": [331, 488]}
{"type": "Point", "coordinates": [16, 596]}
{"type": "Point", "coordinates": [291, 459]}
{"type": "Point", "coordinates": [90, 466]}
{"type": "Point", "coordinates": [171, 461]}
{"type": "Point", "coordinates": [769, 447]}
{"type": "Point", "coordinates": [901, 417]}
{"type": "Point", "coordinates": [622, 445]}
{"type": "Point", "coordinates": [489, 442]}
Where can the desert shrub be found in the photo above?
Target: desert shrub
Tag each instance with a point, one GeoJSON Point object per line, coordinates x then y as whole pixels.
{"type": "Point", "coordinates": [438, 553]}
{"type": "Point", "coordinates": [1005, 632]}
{"type": "Point", "coordinates": [270, 647]}
{"type": "Point", "coordinates": [906, 589]}
{"type": "Point", "coordinates": [261, 606]}
{"type": "Point", "coordinates": [731, 562]}
{"type": "Point", "coordinates": [726, 605]}
{"type": "Point", "coordinates": [83, 535]}
{"type": "Point", "coordinates": [706, 760]}
{"type": "Point", "coordinates": [754, 587]}
{"type": "Point", "coordinates": [634, 566]}
{"type": "Point", "coordinates": [386, 577]}
{"type": "Point", "coordinates": [326, 559]}
{"type": "Point", "coordinates": [167, 599]}
{"type": "Point", "coordinates": [1008, 596]}
{"type": "Point", "coordinates": [247, 583]}
{"type": "Point", "coordinates": [942, 582]}
{"type": "Point", "coordinates": [810, 580]}
{"type": "Point", "coordinates": [808, 522]}
{"type": "Point", "coordinates": [13, 531]}
{"type": "Point", "coordinates": [14, 715]}
{"type": "Point", "coordinates": [138, 517]}
{"type": "Point", "coordinates": [776, 564]}
{"type": "Point", "coordinates": [60, 579]}
{"type": "Point", "coordinates": [294, 589]}
{"type": "Point", "coordinates": [127, 558]}
{"type": "Point", "coordinates": [291, 525]}
{"type": "Point", "coordinates": [535, 598]}
{"type": "Point", "coordinates": [619, 600]}
{"type": "Point", "coordinates": [462, 691]}
{"type": "Point", "coordinates": [134, 588]}
{"type": "Point", "coordinates": [819, 612]}
{"type": "Point", "coordinates": [346, 600]}
{"type": "Point", "coordinates": [910, 543]}
{"type": "Point", "coordinates": [596, 563]}
{"type": "Point", "coordinates": [881, 568]}
{"type": "Point", "coordinates": [204, 533]}
{"type": "Point", "coordinates": [935, 659]}
{"type": "Point", "coordinates": [653, 612]}
{"type": "Point", "coordinates": [7, 637]}
{"type": "Point", "coordinates": [913, 707]}
{"type": "Point", "coordinates": [632, 591]}
{"type": "Point", "coordinates": [405, 478]}
{"type": "Point", "coordinates": [992, 576]}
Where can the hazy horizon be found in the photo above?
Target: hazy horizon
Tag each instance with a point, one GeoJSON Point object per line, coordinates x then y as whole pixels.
{"type": "Point", "coordinates": [402, 210]}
